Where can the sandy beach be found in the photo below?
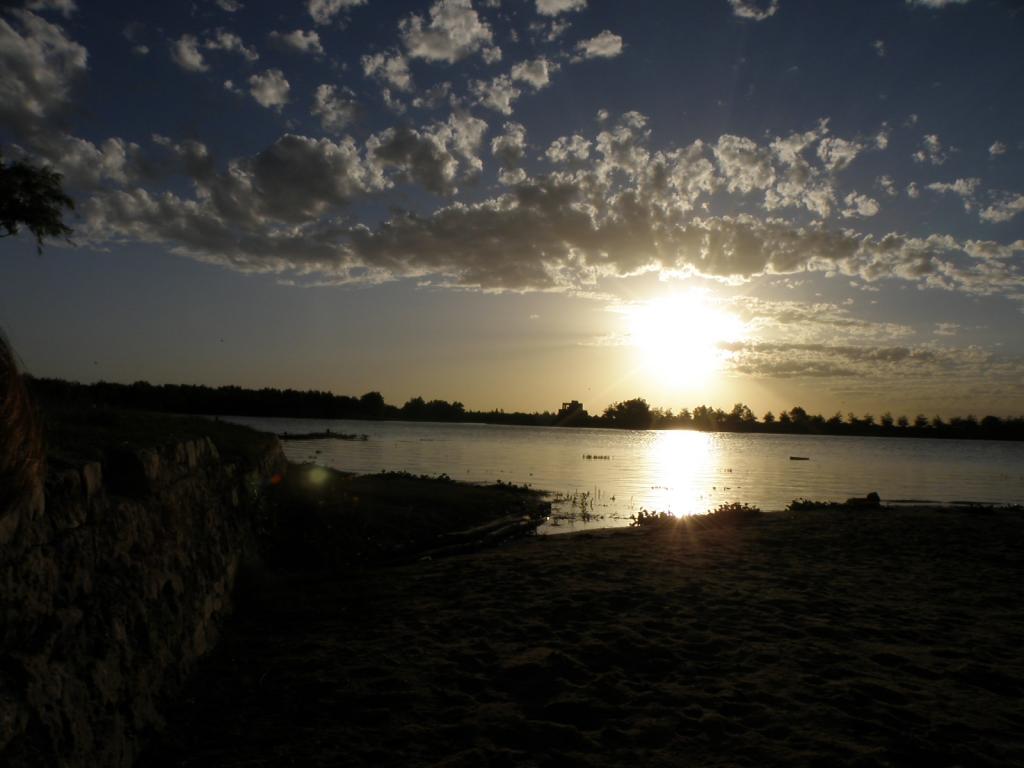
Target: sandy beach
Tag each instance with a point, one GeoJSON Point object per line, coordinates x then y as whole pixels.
{"type": "Point", "coordinates": [888, 637]}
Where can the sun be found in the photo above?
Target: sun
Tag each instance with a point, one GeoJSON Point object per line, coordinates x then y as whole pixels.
{"type": "Point", "coordinates": [679, 338]}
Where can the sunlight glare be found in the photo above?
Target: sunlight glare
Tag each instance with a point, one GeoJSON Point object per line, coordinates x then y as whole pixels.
{"type": "Point", "coordinates": [678, 337]}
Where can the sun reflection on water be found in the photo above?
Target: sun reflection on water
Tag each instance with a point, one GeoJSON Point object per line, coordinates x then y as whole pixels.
{"type": "Point", "coordinates": [683, 464]}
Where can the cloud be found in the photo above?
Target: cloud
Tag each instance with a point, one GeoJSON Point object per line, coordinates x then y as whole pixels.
{"type": "Point", "coordinates": [429, 156]}
{"type": "Point", "coordinates": [859, 205]}
{"type": "Point", "coordinates": [185, 53]}
{"type": "Point", "coordinates": [140, 50]}
{"type": "Point", "coordinates": [335, 110]}
{"type": "Point", "coordinates": [1004, 209]}
{"type": "Point", "coordinates": [744, 164]}
{"type": "Point", "coordinates": [65, 8]}
{"type": "Point", "coordinates": [497, 94]}
{"type": "Point", "coordinates": [964, 188]}
{"type": "Point", "coordinates": [568, 149]}
{"type": "Point", "coordinates": [454, 32]}
{"type": "Point", "coordinates": [229, 6]}
{"type": "Point", "coordinates": [536, 73]}
{"type": "Point", "coordinates": [270, 89]}
{"type": "Point", "coordinates": [433, 96]}
{"type": "Point", "coordinates": [784, 360]}
{"type": "Point", "coordinates": [837, 154]}
{"type": "Point", "coordinates": [879, 48]}
{"type": "Point", "coordinates": [606, 208]}
{"type": "Point", "coordinates": [605, 45]}
{"type": "Point", "coordinates": [754, 9]}
{"type": "Point", "coordinates": [228, 41]}
{"type": "Point", "coordinates": [931, 151]}
{"type": "Point", "coordinates": [391, 68]}
{"type": "Point", "coordinates": [936, 3]}
{"type": "Point", "coordinates": [997, 148]}
{"type": "Point", "coordinates": [323, 11]}
{"type": "Point", "coordinates": [509, 148]}
{"type": "Point", "coordinates": [887, 185]}
{"type": "Point", "coordinates": [41, 66]}
{"type": "Point", "coordinates": [555, 7]}
{"type": "Point", "coordinates": [299, 40]}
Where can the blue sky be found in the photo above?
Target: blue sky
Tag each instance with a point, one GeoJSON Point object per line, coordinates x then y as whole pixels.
{"type": "Point", "coordinates": [483, 201]}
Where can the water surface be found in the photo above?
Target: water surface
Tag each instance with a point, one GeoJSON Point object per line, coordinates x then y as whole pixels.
{"type": "Point", "coordinates": [678, 471]}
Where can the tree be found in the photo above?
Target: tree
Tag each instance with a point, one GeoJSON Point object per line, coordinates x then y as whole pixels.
{"type": "Point", "coordinates": [32, 196]}
{"type": "Point", "coordinates": [630, 414]}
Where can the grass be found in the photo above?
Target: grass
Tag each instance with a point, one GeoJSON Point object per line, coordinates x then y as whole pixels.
{"type": "Point", "coordinates": [87, 435]}
{"type": "Point", "coordinates": [328, 519]}
{"type": "Point", "coordinates": [725, 514]}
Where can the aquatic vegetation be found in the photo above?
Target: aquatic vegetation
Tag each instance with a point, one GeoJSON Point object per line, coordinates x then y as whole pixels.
{"type": "Point", "coordinates": [734, 513]}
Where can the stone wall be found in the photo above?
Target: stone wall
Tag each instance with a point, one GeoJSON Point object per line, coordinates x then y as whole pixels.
{"type": "Point", "coordinates": [111, 587]}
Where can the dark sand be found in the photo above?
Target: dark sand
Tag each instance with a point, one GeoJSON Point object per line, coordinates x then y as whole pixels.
{"type": "Point", "coordinates": [815, 638]}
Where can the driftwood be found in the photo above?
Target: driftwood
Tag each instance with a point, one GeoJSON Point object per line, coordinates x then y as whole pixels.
{"type": "Point", "coordinates": [485, 535]}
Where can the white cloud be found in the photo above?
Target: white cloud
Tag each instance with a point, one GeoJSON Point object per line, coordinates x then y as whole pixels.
{"type": "Point", "coordinates": [229, 41]}
{"type": "Point", "coordinates": [491, 54]}
{"type": "Point", "coordinates": [1004, 209]}
{"type": "Point", "coordinates": [913, 191]}
{"type": "Point", "coordinates": [964, 188]}
{"type": "Point", "coordinates": [555, 7]}
{"type": "Point", "coordinates": [509, 147]}
{"type": "Point", "coordinates": [859, 205]}
{"type": "Point", "coordinates": [65, 8]}
{"type": "Point", "coordinates": [323, 11]}
{"type": "Point", "coordinates": [837, 154]}
{"type": "Point", "coordinates": [536, 73]}
{"type": "Point", "coordinates": [270, 89]}
{"type": "Point", "coordinates": [335, 110]}
{"type": "Point", "coordinates": [744, 164]}
{"type": "Point", "coordinates": [433, 96]}
{"type": "Point", "coordinates": [40, 66]}
{"type": "Point", "coordinates": [230, 6]}
{"type": "Point", "coordinates": [140, 50]}
{"type": "Point", "coordinates": [931, 151]}
{"type": "Point", "coordinates": [454, 32]}
{"type": "Point", "coordinates": [568, 149]}
{"type": "Point", "coordinates": [757, 10]}
{"type": "Point", "coordinates": [185, 53]}
{"type": "Point", "coordinates": [392, 68]}
{"type": "Point", "coordinates": [887, 185]}
{"type": "Point", "coordinates": [497, 94]}
{"type": "Point", "coordinates": [936, 3]}
{"type": "Point", "coordinates": [605, 45]}
{"type": "Point", "coordinates": [997, 148]}
{"type": "Point", "coordinates": [879, 46]}
{"type": "Point", "coordinates": [300, 40]}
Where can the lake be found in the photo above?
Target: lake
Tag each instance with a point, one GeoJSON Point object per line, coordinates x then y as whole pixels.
{"type": "Point", "coordinates": [600, 477]}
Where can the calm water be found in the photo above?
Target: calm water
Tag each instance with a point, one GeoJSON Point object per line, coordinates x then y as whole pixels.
{"type": "Point", "coordinates": [681, 472]}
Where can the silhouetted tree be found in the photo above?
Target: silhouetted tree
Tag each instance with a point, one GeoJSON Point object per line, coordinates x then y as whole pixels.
{"type": "Point", "coordinates": [629, 414]}
{"type": "Point", "coordinates": [32, 196]}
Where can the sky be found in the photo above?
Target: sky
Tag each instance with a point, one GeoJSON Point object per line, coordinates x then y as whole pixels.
{"type": "Point", "coordinates": [515, 203]}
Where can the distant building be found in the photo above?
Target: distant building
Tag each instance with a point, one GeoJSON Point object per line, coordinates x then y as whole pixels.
{"type": "Point", "coordinates": [572, 410]}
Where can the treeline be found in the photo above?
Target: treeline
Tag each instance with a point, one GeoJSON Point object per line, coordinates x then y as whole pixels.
{"type": "Point", "coordinates": [636, 414]}
{"type": "Point", "coordinates": [629, 414]}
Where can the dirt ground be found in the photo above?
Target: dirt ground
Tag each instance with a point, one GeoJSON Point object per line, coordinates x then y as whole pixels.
{"type": "Point", "coordinates": [873, 637]}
